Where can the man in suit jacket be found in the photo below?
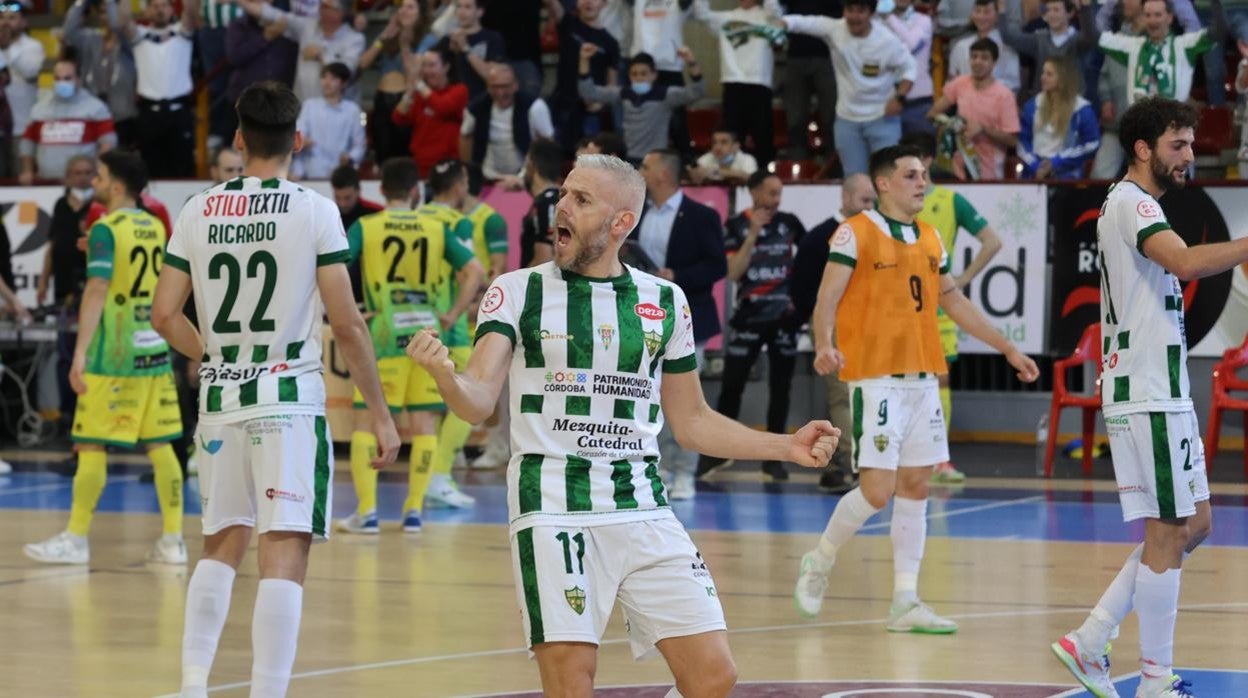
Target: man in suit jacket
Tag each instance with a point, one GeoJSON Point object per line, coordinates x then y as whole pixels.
{"type": "Point", "coordinates": [682, 241]}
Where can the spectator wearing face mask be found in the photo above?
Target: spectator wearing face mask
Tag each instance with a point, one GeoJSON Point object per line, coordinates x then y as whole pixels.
{"type": "Point", "coordinates": [68, 122]}
{"type": "Point", "coordinates": [725, 162]}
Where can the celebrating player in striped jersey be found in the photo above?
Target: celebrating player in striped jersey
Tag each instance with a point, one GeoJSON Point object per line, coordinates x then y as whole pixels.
{"type": "Point", "coordinates": [597, 353]}
{"type": "Point", "coordinates": [1159, 459]}
{"type": "Point", "coordinates": [121, 368]}
{"type": "Point", "coordinates": [263, 256]}
{"type": "Point", "coordinates": [887, 273]}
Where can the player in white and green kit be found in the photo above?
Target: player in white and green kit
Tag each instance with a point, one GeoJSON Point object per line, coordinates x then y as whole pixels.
{"type": "Point", "coordinates": [264, 257]}
{"type": "Point", "coordinates": [596, 354]}
{"type": "Point", "coordinates": [1159, 460]}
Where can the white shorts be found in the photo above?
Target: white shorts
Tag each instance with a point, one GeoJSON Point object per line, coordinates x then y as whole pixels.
{"type": "Point", "coordinates": [269, 473]}
{"type": "Point", "coordinates": [1159, 462]}
{"type": "Point", "coordinates": [896, 426]}
{"type": "Point", "coordinates": [567, 581]}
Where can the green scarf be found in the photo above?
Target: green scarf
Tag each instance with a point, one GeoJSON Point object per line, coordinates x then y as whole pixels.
{"type": "Point", "coordinates": [1154, 69]}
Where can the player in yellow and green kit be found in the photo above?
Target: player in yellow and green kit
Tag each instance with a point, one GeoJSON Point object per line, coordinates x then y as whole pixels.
{"type": "Point", "coordinates": [948, 212]}
{"type": "Point", "coordinates": [448, 192]}
{"type": "Point", "coordinates": [121, 369]}
{"type": "Point", "coordinates": [408, 262]}
{"type": "Point", "coordinates": [489, 241]}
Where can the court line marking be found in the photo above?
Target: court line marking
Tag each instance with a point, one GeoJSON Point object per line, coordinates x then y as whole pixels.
{"type": "Point", "coordinates": [794, 682]}
{"type": "Point", "coordinates": [351, 668]}
{"type": "Point", "coordinates": [966, 510]}
{"type": "Point", "coordinates": [69, 483]}
{"type": "Point", "coordinates": [1127, 677]}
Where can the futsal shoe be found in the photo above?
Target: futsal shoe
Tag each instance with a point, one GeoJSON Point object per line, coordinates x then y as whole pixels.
{"type": "Point", "coordinates": [366, 524]}
{"type": "Point", "coordinates": [494, 456]}
{"type": "Point", "coordinates": [812, 582]}
{"type": "Point", "coordinates": [1174, 687]}
{"type": "Point", "coordinates": [945, 473]}
{"type": "Point", "coordinates": [5, 468]}
{"type": "Point", "coordinates": [411, 522]}
{"type": "Point", "coordinates": [1089, 669]}
{"type": "Point", "coordinates": [62, 549]}
{"type": "Point", "coordinates": [919, 618]}
{"type": "Point", "coordinates": [775, 470]}
{"type": "Point", "coordinates": [444, 494]}
{"type": "Point", "coordinates": [683, 488]}
{"type": "Point", "coordinates": [169, 549]}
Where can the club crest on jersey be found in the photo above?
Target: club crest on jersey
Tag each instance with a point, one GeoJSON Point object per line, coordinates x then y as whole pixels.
{"type": "Point", "coordinates": [493, 299]}
{"type": "Point", "coordinates": [649, 311]}
{"type": "Point", "coordinates": [1148, 209]}
{"type": "Point", "coordinates": [653, 341]}
{"type": "Point", "coordinates": [576, 599]}
{"type": "Point", "coordinates": [605, 333]}
{"type": "Point", "coordinates": [881, 442]}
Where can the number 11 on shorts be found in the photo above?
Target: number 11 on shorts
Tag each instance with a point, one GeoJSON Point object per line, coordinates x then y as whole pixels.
{"type": "Point", "coordinates": [567, 541]}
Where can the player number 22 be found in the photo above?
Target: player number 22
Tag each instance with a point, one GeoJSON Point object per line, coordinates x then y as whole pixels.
{"type": "Point", "coordinates": [260, 262]}
{"type": "Point", "coordinates": [567, 541]}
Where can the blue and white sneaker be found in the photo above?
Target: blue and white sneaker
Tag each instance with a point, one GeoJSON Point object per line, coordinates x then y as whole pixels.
{"type": "Point", "coordinates": [411, 522]}
{"type": "Point", "coordinates": [366, 524]}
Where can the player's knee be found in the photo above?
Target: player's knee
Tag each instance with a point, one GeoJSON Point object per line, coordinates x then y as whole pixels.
{"type": "Point", "coordinates": [877, 497]}
{"type": "Point", "coordinates": [714, 679]}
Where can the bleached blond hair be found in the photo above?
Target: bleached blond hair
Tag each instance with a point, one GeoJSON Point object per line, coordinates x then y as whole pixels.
{"type": "Point", "coordinates": [630, 191]}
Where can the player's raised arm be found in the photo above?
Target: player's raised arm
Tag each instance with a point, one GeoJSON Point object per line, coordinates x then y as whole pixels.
{"type": "Point", "coordinates": [351, 333]}
{"type": "Point", "coordinates": [472, 394]}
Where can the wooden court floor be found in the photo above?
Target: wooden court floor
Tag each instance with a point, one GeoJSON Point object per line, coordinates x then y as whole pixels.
{"type": "Point", "coordinates": [435, 614]}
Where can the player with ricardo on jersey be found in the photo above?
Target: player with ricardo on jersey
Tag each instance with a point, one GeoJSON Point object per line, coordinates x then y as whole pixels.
{"type": "Point", "coordinates": [597, 353]}
{"type": "Point", "coordinates": [264, 257]}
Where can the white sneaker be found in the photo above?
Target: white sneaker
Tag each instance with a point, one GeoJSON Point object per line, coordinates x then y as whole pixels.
{"type": "Point", "coordinates": [192, 465]}
{"type": "Point", "coordinates": [920, 618]}
{"type": "Point", "coordinates": [811, 583]}
{"type": "Point", "coordinates": [1173, 687]}
{"type": "Point", "coordinates": [1089, 669]}
{"type": "Point", "coordinates": [489, 460]}
{"type": "Point", "coordinates": [62, 549]}
{"type": "Point", "coordinates": [170, 549]}
{"type": "Point", "coordinates": [5, 468]}
{"type": "Point", "coordinates": [443, 493]}
{"type": "Point", "coordinates": [683, 488]}
{"type": "Point", "coordinates": [355, 523]}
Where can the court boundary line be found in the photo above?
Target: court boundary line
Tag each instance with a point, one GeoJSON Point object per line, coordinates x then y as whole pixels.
{"type": "Point", "coordinates": [69, 483]}
{"type": "Point", "coordinates": [430, 659]}
{"type": "Point", "coordinates": [999, 504]}
{"type": "Point", "coordinates": [791, 682]}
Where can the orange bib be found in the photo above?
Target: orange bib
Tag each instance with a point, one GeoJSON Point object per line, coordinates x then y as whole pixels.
{"type": "Point", "coordinates": [886, 321]}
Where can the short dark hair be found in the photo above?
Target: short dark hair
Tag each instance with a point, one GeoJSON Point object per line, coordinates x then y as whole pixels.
{"type": "Point", "coordinates": [338, 70]}
{"type": "Point", "coordinates": [611, 143]}
{"type": "Point", "coordinates": [444, 176]}
{"type": "Point", "coordinates": [547, 158]}
{"type": "Point", "coordinates": [128, 168]}
{"type": "Point", "coordinates": [344, 177]}
{"type": "Point", "coordinates": [267, 112]}
{"type": "Point", "coordinates": [884, 160]}
{"type": "Point", "coordinates": [868, 4]}
{"type": "Point", "coordinates": [1069, 5]}
{"type": "Point", "coordinates": [671, 160]}
{"type": "Point", "coordinates": [642, 58]}
{"type": "Point", "coordinates": [1169, 5]}
{"type": "Point", "coordinates": [991, 3]}
{"type": "Point", "coordinates": [986, 45]}
{"type": "Point", "coordinates": [399, 176]}
{"type": "Point", "coordinates": [723, 128]}
{"type": "Point", "coordinates": [758, 177]}
{"type": "Point", "coordinates": [923, 142]}
{"type": "Point", "coordinates": [70, 55]}
{"type": "Point", "coordinates": [1150, 117]}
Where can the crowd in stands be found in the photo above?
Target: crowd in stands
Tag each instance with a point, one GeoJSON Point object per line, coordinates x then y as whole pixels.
{"type": "Point", "coordinates": [1010, 88]}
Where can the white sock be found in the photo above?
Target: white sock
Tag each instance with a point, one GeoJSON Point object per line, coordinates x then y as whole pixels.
{"type": "Point", "coordinates": [850, 514]}
{"type": "Point", "coordinates": [274, 636]}
{"type": "Point", "coordinates": [1157, 605]}
{"type": "Point", "coordinates": [207, 605]}
{"type": "Point", "coordinates": [673, 693]}
{"type": "Point", "coordinates": [909, 534]}
{"type": "Point", "coordinates": [1113, 607]}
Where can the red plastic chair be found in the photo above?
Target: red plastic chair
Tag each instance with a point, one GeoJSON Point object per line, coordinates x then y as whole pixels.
{"type": "Point", "coordinates": [1088, 350]}
{"type": "Point", "coordinates": [702, 123]}
{"type": "Point", "coordinates": [1214, 132]}
{"type": "Point", "coordinates": [794, 170]}
{"type": "Point", "coordinates": [1225, 381]}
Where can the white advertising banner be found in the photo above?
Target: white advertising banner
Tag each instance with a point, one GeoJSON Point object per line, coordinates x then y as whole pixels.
{"type": "Point", "coordinates": [1010, 290]}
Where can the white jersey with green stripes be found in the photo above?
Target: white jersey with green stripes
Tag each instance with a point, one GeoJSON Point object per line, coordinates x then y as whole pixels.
{"type": "Point", "coordinates": [1142, 336]}
{"type": "Point", "coordinates": [587, 364]}
{"type": "Point", "coordinates": [252, 248]}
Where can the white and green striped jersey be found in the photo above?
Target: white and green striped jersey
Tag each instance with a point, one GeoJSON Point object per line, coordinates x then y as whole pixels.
{"type": "Point", "coordinates": [1144, 348]}
{"type": "Point", "coordinates": [585, 384]}
{"type": "Point", "coordinates": [252, 248]}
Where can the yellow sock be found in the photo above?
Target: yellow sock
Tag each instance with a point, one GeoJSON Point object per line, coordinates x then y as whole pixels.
{"type": "Point", "coordinates": [363, 451]}
{"type": "Point", "coordinates": [424, 448]}
{"type": "Point", "coordinates": [946, 404]}
{"type": "Point", "coordinates": [88, 485]}
{"type": "Point", "coordinates": [168, 476]}
{"type": "Point", "coordinates": [452, 435]}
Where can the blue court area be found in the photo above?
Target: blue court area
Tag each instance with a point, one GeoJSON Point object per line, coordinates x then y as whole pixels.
{"type": "Point", "coordinates": [971, 512]}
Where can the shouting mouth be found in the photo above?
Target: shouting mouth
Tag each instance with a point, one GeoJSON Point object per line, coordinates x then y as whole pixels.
{"type": "Point", "coordinates": [563, 236]}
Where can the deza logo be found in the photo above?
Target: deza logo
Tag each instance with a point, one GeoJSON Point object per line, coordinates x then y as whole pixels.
{"type": "Point", "coordinates": [649, 311]}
